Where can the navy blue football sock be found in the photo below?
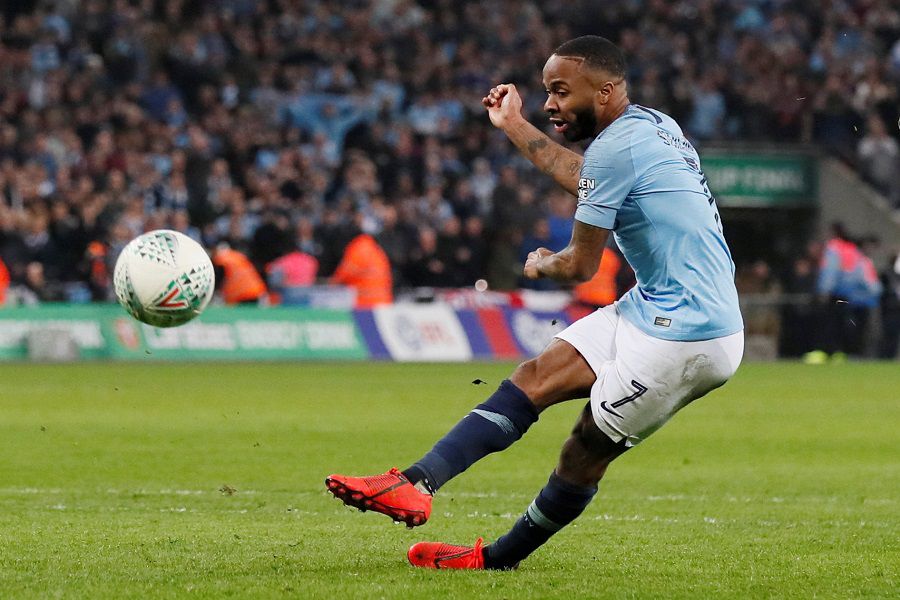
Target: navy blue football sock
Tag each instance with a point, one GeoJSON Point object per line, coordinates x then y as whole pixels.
{"type": "Point", "coordinates": [417, 475]}
{"type": "Point", "coordinates": [491, 426]}
{"type": "Point", "coordinates": [557, 505]}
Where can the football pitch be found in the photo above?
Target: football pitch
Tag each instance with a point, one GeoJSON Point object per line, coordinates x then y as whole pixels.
{"type": "Point", "coordinates": [206, 481]}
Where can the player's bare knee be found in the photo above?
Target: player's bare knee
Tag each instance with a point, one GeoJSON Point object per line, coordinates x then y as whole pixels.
{"type": "Point", "coordinates": [528, 379]}
{"type": "Point", "coordinates": [525, 372]}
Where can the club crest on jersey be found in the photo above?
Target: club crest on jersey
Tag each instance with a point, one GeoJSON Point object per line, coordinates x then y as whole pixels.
{"type": "Point", "coordinates": [585, 187]}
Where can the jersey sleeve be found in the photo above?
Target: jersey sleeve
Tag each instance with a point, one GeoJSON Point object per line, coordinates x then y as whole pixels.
{"type": "Point", "coordinates": [607, 177]}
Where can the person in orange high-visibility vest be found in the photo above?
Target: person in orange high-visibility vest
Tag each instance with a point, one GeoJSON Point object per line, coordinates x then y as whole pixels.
{"type": "Point", "coordinates": [237, 277]}
{"type": "Point", "coordinates": [601, 289]}
{"type": "Point", "coordinates": [4, 283]}
{"type": "Point", "coordinates": [366, 267]}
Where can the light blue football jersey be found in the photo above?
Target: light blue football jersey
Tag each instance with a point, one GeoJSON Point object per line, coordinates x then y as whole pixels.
{"type": "Point", "coordinates": [642, 179]}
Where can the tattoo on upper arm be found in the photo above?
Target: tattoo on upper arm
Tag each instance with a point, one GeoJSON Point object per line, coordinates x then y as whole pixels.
{"type": "Point", "coordinates": [536, 144]}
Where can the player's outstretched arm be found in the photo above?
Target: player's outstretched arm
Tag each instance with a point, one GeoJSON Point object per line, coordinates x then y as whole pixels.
{"type": "Point", "coordinates": [504, 106]}
{"type": "Point", "coordinates": [576, 262]}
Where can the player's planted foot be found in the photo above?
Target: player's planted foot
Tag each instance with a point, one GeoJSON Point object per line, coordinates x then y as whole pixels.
{"type": "Point", "coordinates": [437, 555]}
{"type": "Point", "coordinates": [390, 493]}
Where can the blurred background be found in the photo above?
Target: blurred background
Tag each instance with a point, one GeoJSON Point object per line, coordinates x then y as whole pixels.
{"type": "Point", "coordinates": [335, 155]}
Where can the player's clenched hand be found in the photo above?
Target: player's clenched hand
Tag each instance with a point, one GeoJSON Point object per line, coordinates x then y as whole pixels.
{"type": "Point", "coordinates": [533, 262]}
{"type": "Point", "coordinates": [503, 104]}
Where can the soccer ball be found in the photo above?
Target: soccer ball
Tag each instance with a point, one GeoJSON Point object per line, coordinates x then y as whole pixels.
{"type": "Point", "coordinates": [164, 278]}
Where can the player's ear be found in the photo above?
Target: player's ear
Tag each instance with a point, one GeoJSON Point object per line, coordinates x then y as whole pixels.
{"type": "Point", "coordinates": [609, 88]}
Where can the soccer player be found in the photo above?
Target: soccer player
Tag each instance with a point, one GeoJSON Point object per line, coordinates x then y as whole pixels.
{"type": "Point", "coordinates": [672, 338]}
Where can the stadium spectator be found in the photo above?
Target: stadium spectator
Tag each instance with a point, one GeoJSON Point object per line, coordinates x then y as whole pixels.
{"type": "Point", "coordinates": [602, 289]}
{"type": "Point", "coordinates": [180, 222]}
{"type": "Point", "coordinates": [760, 291]}
{"type": "Point", "coordinates": [425, 267]}
{"type": "Point", "coordinates": [289, 276]}
{"type": "Point", "coordinates": [798, 314]}
{"type": "Point", "coordinates": [560, 218]}
{"type": "Point", "coordinates": [37, 287]}
{"type": "Point", "coordinates": [396, 238]}
{"type": "Point", "coordinates": [845, 280]}
{"type": "Point", "coordinates": [455, 253]}
{"type": "Point", "coordinates": [538, 237]}
{"type": "Point", "coordinates": [880, 156]}
{"type": "Point", "coordinates": [236, 277]}
{"type": "Point", "coordinates": [475, 248]}
{"type": "Point", "coordinates": [707, 120]}
{"type": "Point", "coordinates": [366, 268]}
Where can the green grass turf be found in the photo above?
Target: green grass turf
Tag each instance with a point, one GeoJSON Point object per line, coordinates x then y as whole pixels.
{"type": "Point", "coordinates": [784, 483]}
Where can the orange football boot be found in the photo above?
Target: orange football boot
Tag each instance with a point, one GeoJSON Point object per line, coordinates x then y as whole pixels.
{"type": "Point", "coordinates": [436, 555]}
{"type": "Point", "coordinates": [390, 494]}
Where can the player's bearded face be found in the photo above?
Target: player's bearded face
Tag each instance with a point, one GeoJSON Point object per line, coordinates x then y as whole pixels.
{"type": "Point", "coordinates": [570, 99]}
{"type": "Point", "coordinates": [583, 125]}
{"type": "Point", "coordinates": [573, 117]}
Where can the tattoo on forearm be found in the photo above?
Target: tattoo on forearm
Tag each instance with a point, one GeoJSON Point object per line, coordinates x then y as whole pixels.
{"type": "Point", "coordinates": [551, 166]}
{"type": "Point", "coordinates": [536, 144]}
{"type": "Point", "coordinates": [573, 167]}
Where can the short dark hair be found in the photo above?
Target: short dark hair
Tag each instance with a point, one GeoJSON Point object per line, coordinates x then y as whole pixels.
{"type": "Point", "coordinates": [597, 52]}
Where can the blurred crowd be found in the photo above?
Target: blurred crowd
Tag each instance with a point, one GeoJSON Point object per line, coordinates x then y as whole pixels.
{"type": "Point", "coordinates": [293, 127]}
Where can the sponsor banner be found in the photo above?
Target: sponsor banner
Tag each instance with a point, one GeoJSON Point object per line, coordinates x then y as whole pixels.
{"type": "Point", "coordinates": [83, 325]}
{"type": "Point", "coordinates": [365, 320]}
{"type": "Point", "coordinates": [761, 179]}
{"type": "Point", "coordinates": [543, 301]}
{"type": "Point", "coordinates": [537, 300]}
{"type": "Point", "coordinates": [479, 342]}
{"type": "Point", "coordinates": [533, 330]}
{"type": "Point", "coordinates": [496, 330]}
{"type": "Point", "coordinates": [233, 333]}
{"type": "Point", "coordinates": [402, 332]}
{"type": "Point", "coordinates": [422, 332]}
{"type": "Point", "coordinates": [244, 333]}
{"type": "Point", "coordinates": [472, 299]}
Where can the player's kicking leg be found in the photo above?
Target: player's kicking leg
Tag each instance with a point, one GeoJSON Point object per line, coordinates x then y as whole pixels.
{"type": "Point", "coordinates": [637, 390]}
{"type": "Point", "coordinates": [558, 374]}
{"type": "Point", "coordinates": [571, 487]}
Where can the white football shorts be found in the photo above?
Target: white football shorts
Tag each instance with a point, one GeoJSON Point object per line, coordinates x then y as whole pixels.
{"type": "Point", "coordinates": [642, 380]}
